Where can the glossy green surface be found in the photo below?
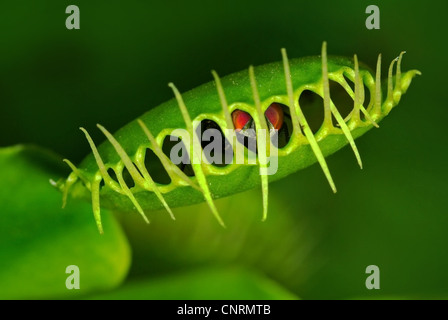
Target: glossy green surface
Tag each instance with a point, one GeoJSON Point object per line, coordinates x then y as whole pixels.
{"type": "Point", "coordinates": [39, 240]}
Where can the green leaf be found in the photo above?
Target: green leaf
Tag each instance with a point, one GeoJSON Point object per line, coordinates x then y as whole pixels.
{"type": "Point", "coordinates": [38, 239]}
{"type": "Point", "coordinates": [283, 248]}
{"type": "Point", "coordinates": [207, 284]}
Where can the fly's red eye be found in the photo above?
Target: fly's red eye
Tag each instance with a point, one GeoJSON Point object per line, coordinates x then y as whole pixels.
{"type": "Point", "coordinates": [240, 119]}
{"type": "Point", "coordinates": [274, 114]}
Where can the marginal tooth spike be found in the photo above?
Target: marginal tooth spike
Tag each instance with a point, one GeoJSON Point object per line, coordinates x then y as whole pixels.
{"type": "Point", "coordinates": [154, 188]}
{"type": "Point", "coordinates": [368, 116]}
{"type": "Point", "coordinates": [290, 91]}
{"type": "Point", "coordinates": [130, 195]}
{"type": "Point", "coordinates": [377, 105]}
{"type": "Point", "coordinates": [351, 93]}
{"type": "Point", "coordinates": [358, 86]}
{"type": "Point", "coordinates": [261, 124]}
{"type": "Point", "coordinates": [359, 96]}
{"type": "Point", "coordinates": [397, 91]}
{"type": "Point", "coordinates": [223, 100]}
{"type": "Point", "coordinates": [124, 157]}
{"type": "Point", "coordinates": [77, 172]}
{"type": "Point", "coordinates": [315, 147]}
{"type": "Point", "coordinates": [182, 107]}
{"type": "Point", "coordinates": [398, 77]}
{"type": "Point", "coordinates": [390, 88]}
{"type": "Point", "coordinates": [96, 202]}
{"type": "Point", "coordinates": [313, 144]}
{"type": "Point", "coordinates": [170, 167]}
{"type": "Point", "coordinates": [72, 178]}
{"type": "Point", "coordinates": [347, 133]}
{"type": "Point", "coordinates": [196, 158]}
{"type": "Point", "coordinates": [107, 179]}
{"type": "Point", "coordinates": [53, 182]}
{"type": "Point", "coordinates": [225, 107]}
{"type": "Point", "coordinates": [327, 109]}
{"type": "Point", "coordinates": [330, 105]}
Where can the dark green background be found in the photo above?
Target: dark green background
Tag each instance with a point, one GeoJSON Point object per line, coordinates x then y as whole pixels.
{"type": "Point", "coordinates": [117, 66]}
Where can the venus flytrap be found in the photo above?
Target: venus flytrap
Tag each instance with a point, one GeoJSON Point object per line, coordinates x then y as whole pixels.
{"type": "Point", "coordinates": [118, 173]}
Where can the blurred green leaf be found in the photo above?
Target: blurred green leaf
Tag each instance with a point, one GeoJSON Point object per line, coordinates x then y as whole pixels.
{"type": "Point", "coordinates": [38, 240]}
{"type": "Point", "coordinates": [207, 284]}
{"type": "Point", "coordinates": [282, 248]}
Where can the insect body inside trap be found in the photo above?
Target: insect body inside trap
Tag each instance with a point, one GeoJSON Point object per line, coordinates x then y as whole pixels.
{"type": "Point", "coordinates": [218, 147]}
{"type": "Point", "coordinates": [214, 147]}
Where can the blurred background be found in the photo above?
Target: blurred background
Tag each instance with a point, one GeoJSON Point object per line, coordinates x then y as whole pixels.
{"type": "Point", "coordinates": [315, 244]}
